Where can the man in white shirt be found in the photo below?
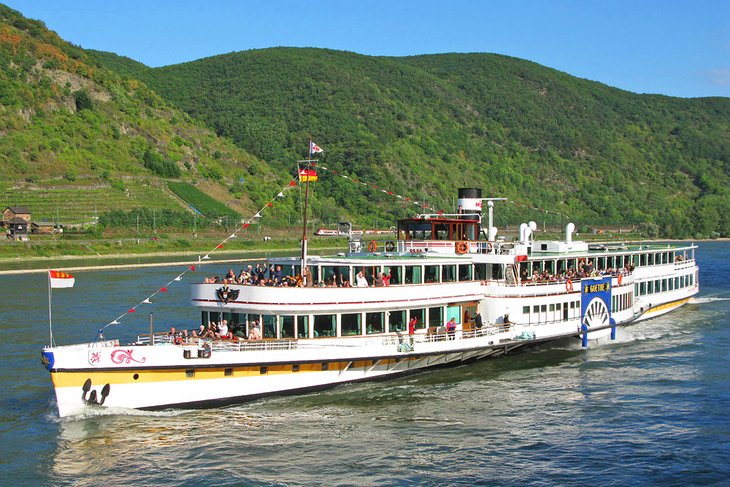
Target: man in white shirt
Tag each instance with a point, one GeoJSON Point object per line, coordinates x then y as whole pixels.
{"type": "Point", "coordinates": [361, 280]}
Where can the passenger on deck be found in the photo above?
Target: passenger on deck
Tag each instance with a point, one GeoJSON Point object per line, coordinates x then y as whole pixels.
{"type": "Point", "coordinates": [412, 327]}
{"type": "Point", "coordinates": [230, 276]}
{"type": "Point", "coordinates": [255, 332]}
{"type": "Point", "coordinates": [379, 280]}
{"type": "Point", "coordinates": [478, 320]}
{"type": "Point", "coordinates": [223, 330]}
{"type": "Point", "coordinates": [361, 279]}
{"type": "Point", "coordinates": [451, 329]}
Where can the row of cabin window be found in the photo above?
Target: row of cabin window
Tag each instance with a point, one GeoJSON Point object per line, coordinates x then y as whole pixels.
{"type": "Point", "coordinates": [559, 266]}
{"type": "Point", "coordinates": [406, 274]}
{"type": "Point", "coordinates": [662, 285]}
{"type": "Point", "coordinates": [569, 310]}
{"type": "Point", "coordinates": [433, 273]}
{"type": "Point", "coordinates": [544, 313]}
{"type": "Point", "coordinates": [621, 302]}
{"type": "Point", "coordinates": [348, 324]}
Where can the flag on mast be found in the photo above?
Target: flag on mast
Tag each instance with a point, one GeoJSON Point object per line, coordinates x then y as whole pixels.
{"type": "Point", "coordinates": [314, 148]}
{"type": "Point", "coordinates": [60, 279]}
{"type": "Point", "coordinates": [308, 175]}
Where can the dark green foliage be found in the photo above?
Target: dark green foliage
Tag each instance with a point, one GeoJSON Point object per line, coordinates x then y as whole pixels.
{"type": "Point", "coordinates": [418, 126]}
{"type": "Point", "coordinates": [83, 100]}
{"type": "Point", "coordinates": [160, 166]}
{"type": "Point", "coordinates": [147, 218]}
{"type": "Point", "coordinates": [201, 202]}
{"type": "Point", "coordinates": [423, 126]}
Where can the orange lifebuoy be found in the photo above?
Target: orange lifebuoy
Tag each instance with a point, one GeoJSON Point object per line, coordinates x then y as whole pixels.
{"type": "Point", "coordinates": [462, 247]}
{"type": "Point", "coordinates": [373, 246]}
{"type": "Point", "coordinates": [620, 279]}
{"type": "Point", "coordinates": [569, 286]}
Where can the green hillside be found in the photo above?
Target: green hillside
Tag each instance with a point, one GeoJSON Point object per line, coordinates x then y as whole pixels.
{"type": "Point", "coordinates": [78, 139]}
{"type": "Point", "coordinates": [425, 125]}
{"type": "Point", "coordinates": [86, 131]}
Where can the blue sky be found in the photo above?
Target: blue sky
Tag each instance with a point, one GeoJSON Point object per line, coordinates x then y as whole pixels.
{"type": "Point", "coordinates": [671, 47]}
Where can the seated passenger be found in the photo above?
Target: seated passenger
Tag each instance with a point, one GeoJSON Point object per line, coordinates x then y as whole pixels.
{"type": "Point", "coordinates": [255, 333]}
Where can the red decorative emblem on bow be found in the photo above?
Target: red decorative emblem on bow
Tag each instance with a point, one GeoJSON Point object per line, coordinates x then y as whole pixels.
{"type": "Point", "coordinates": [119, 356]}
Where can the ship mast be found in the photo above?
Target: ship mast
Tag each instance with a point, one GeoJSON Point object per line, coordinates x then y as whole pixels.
{"type": "Point", "coordinates": [307, 168]}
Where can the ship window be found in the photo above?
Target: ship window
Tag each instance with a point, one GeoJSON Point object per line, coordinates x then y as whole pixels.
{"type": "Point", "coordinates": [325, 365]}
{"type": "Point", "coordinates": [286, 324]}
{"type": "Point", "coordinates": [295, 368]}
{"type": "Point", "coordinates": [642, 259]}
{"type": "Point", "coordinates": [303, 326]}
{"type": "Point", "coordinates": [351, 324]}
{"type": "Point", "coordinates": [642, 289]}
{"type": "Point", "coordinates": [227, 372]}
{"type": "Point", "coordinates": [431, 273]}
{"type": "Point", "coordinates": [552, 307]}
{"type": "Point", "coordinates": [448, 273]}
{"type": "Point", "coordinates": [480, 272]}
{"type": "Point", "coordinates": [435, 317]}
{"type": "Point", "coordinates": [269, 323]}
{"type": "Point", "coordinates": [496, 271]}
{"type": "Point", "coordinates": [543, 308]}
{"type": "Point", "coordinates": [189, 373]}
{"type": "Point", "coordinates": [465, 272]}
{"type": "Point", "coordinates": [396, 274]}
{"type": "Point", "coordinates": [536, 309]}
{"type": "Point", "coordinates": [335, 274]}
{"type": "Point", "coordinates": [397, 321]}
{"type": "Point", "coordinates": [325, 326]}
{"type": "Point", "coordinates": [263, 370]}
{"type": "Point", "coordinates": [375, 323]}
{"type": "Point", "coordinates": [419, 314]}
{"type": "Point", "coordinates": [413, 274]}
{"type": "Point", "coordinates": [525, 310]}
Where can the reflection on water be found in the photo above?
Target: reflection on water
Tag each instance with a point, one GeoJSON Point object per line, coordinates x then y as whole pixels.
{"type": "Point", "coordinates": [649, 408]}
{"type": "Point", "coordinates": [491, 420]}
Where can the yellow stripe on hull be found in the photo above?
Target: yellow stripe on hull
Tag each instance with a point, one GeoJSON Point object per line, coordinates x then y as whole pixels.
{"type": "Point", "coordinates": [127, 376]}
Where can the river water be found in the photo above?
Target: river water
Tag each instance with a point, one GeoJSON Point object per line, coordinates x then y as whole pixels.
{"type": "Point", "coordinates": [650, 408]}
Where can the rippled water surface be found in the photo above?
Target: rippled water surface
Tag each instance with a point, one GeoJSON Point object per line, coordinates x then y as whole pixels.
{"type": "Point", "coordinates": [650, 408]}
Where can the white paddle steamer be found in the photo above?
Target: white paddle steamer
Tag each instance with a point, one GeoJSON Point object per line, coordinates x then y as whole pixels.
{"type": "Point", "coordinates": [441, 268]}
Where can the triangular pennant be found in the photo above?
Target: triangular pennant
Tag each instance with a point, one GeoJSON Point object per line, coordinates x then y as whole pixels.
{"type": "Point", "coordinates": [163, 289]}
{"type": "Point", "coordinates": [131, 310]}
{"type": "Point", "coordinates": [292, 183]}
{"type": "Point", "coordinates": [192, 268]}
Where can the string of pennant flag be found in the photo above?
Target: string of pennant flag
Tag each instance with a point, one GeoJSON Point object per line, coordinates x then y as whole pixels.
{"type": "Point", "coordinates": [201, 260]}
{"type": "Point", "coordinates": [307, 174]}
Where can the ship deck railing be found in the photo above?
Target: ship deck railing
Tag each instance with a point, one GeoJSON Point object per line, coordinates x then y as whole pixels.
{"type": "Point", "coordinates": [272, 344]}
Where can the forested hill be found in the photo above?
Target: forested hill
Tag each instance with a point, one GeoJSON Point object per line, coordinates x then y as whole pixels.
{"type": "Point", "coordinates": [425, 125]}
{"type": "Point", "coordinates": [417, 126]}
{"type": "Point", "coordinates": [69, 126]}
